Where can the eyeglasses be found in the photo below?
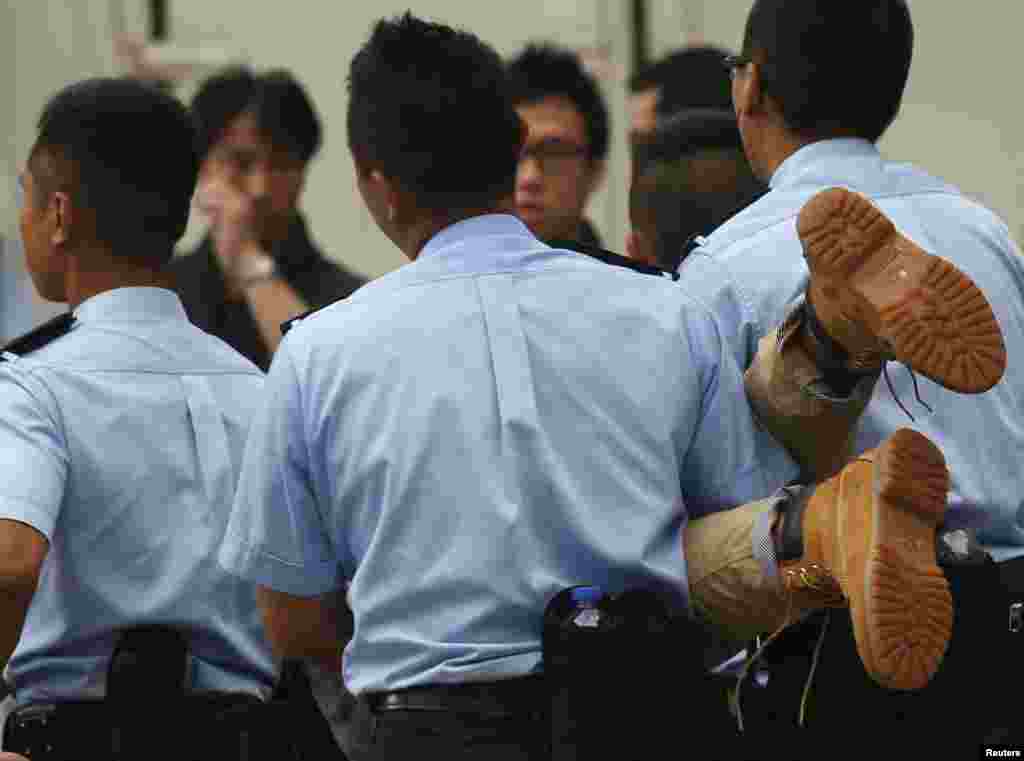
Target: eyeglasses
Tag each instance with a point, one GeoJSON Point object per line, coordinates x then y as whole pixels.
{"type": "Point", "coordinates": [733, 63]}
{"type": "Point", "coordinates": [244, 162]}
{"type": "Point", "coordinates": [553, 156]}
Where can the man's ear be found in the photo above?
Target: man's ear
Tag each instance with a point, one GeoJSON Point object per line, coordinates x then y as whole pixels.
{"type": "Point", "coordinates": [64, 216]}
{"type": "Point", "coordinates": [394, 199]}
{"type": "Point", "coordinates": [748, 90]}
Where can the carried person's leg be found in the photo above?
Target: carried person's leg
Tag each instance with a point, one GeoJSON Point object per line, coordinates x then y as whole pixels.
{"type": "Point", "coordinates": [865, 535]}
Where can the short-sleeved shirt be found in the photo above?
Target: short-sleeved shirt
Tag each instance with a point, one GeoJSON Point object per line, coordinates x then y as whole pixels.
{"type": "Point", "coordinates": [123, 440]}
{"type": "Point", "coordinates": [751, 269]}
{"type": "Point", "coordinates": [201, 286]}
{"type": "Point", "coordinates": [475, 431]}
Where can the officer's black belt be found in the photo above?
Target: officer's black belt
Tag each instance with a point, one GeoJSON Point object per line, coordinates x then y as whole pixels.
{"type": "Point", "coordinates": [510, 697]}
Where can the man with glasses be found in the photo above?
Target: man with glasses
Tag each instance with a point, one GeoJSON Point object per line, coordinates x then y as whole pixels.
{"type": "Point", "coordinates": [816, 86]}
{"type": "Point", "coordinates": [563, 160]}
{"type": "Point", "coordinates": [258, 266]}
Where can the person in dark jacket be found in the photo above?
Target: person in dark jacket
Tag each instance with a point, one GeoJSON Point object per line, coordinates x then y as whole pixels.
{"type": "Point", "coordinates": [258, 265]}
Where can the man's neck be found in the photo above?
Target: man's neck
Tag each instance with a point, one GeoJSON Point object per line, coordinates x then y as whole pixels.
{"type": "Point", "coordinates": [412, 239]}
{"type": "Point", "coordinates": [106, 272]}
{"type": "Point", "coordinates": [778, 145]}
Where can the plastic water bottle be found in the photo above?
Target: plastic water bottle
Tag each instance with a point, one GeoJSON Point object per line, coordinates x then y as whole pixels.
{"type": "Point", "coordinates": [587, 613]}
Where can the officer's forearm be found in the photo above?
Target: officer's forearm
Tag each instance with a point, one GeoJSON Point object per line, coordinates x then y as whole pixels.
{"type": "Point", "coordinates": [15, 599]}
{"type": "Point", "coordinates": [302, 627]}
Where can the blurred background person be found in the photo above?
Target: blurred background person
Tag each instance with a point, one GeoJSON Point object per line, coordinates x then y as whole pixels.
{"type": "Point", "coordinates": [258, 266]}
{"type": "Point", "coordinates": [563, 161]}
{"type": "Point", "coordinates": [692, 77]}
{"type": "Point", "coordinates": [690, 176]}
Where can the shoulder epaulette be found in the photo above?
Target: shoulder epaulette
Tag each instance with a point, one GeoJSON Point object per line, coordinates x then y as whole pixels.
{"type": "Point", "coordinates": [617, 260]}
{"type": "Point", "coordinates": [39, 337]}
{"type": "Point", "coordinates": [694, 242]}
{"type": "Point", "coordinates": [289, 324]}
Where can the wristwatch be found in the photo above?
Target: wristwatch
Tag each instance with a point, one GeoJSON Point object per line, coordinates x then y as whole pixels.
{"type": "Point", "coordinates": [255, 269]}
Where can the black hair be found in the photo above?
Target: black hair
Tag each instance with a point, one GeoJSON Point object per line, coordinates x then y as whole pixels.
{"type": "Point", "coordinates": [833, 68]}
{"type": "Point", "coordinates": [689, 176]}
{"type": "Point", "coordinates": [281, 107]}
{"type": "Point", "coordinates": [544, 70]}
{"type": "Point", "coordinates": [693, 77]}
{"type": "Point", "coordinates": [429, 107]}
{"type": "Point", "coordinates": [139, 189]}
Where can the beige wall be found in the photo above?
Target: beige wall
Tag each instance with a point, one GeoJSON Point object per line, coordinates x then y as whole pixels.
{"type": "Point", "coordinates": [961, 117]}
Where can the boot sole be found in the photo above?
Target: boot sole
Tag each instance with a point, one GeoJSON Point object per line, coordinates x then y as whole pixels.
{"type": "Point", "coordinates": [905, 619]}
{"type": "Point", "coordinates": [924, 311]}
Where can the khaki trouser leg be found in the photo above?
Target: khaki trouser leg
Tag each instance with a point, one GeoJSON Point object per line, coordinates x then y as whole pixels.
{"type": "Point", "coordinates": [791, 401]}
{"type": "Point", "coordinates": [733, 577]}
{"type": "Point", "coordinates": [734, 587]}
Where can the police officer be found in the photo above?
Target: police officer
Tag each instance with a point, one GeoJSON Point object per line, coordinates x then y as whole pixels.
{"type": "Point", "coordinates": [817, 85]}
{"type": "Point", "coordinates": [121, 432]}
{"type": "Point", "coordinates": [465, 437]}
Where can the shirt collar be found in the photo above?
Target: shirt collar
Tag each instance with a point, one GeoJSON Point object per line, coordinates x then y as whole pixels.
{"type": "Point", "coordinates": [487, 225]}
{"type": "Point", "coordinates": [810, 156]}
{"type": "Point", "coordinates": [131, 305]}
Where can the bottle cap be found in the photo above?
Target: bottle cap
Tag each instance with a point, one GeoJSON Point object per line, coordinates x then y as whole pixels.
{"type": "Point", "coordinates": [587, 595]}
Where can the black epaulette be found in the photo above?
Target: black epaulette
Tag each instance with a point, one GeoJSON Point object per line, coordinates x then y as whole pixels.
{"type": "Point", "coordinates": [693, 242]}
{"type": "Point", "coordinates": [617, 260]}
{"type": "Point", "coordinates": [39, 337]}
{"type": "Point", "coordinates": [289, 324]}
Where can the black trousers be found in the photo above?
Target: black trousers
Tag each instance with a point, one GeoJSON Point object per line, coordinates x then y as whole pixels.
{"type": "Point", "coordinates": [393, 735]}
{"type": "Point", "coordinates": [310, 728]}
{"type": "Point", "coordinates": [197, 727]}
{"type": "Point", "coordinates": [666, 720]}
{"type": "Point", "coordinates": [973, 699]}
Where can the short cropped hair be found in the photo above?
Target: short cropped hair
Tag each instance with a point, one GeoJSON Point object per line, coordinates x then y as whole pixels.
{"type": "Point", "coordinates": [689, 177]}
{"type": "Point", "coordinates": [692, 77]}
{"type": "Point", "coordinates": [280, 105]}
{"type": "Point", "coordinates": [429, 107]}
{"type": "Point", "coordinates": [545, 70]}
{"type": "Point", "coordinates": [833, 67]}
{"type": "Point", "coordinates": [138, 190]}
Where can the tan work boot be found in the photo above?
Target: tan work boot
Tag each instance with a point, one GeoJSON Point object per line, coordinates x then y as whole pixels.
{"type": "Point", "coordinates": [868, 535]}
{"type": "Point", "coordinates": [882, 297]}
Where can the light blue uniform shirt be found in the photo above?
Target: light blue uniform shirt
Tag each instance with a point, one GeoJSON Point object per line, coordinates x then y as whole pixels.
{"type": "Point", "coordinates": [122, 442]}
{"type": "Point", "coordinates": [471, 433]}
{"type": "Point", "coordinates": [751, 268]}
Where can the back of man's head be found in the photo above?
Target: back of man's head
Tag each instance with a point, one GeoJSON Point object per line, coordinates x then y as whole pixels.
{"type": "Point", "coordinates": [689, 177]}
{"type": "Point", "coordinates": [429, 108]}
{"type": "Point", "coordinates": [126, 153]}
{"type": "Point", "coordinates": [544, 70]}
{"type": "Point", "coordinates": [282, 109]}
{"type": "Point", "coordinates": [692, 77]}
{"type": "Point", "coordinates": [833, 68]}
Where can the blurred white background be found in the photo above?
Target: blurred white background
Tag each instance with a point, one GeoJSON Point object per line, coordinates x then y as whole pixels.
{"type": "Point", "coordinates": [960, 118]}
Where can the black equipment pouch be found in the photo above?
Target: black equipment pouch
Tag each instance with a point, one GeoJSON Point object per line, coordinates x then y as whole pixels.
{"type": "Point", "coordinates": [147, 661]}
{"type": "Point", "coordinates": [611, 676]}
{"type": "Point", "coordinates": [145, 684]}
